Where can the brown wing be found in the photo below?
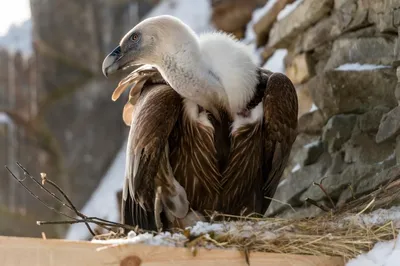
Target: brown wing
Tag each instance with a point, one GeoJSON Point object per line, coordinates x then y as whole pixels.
{"type": "Point", "coordinates": [280, 130]}
{"type": "Point", "coordinates": [156, 112]}
{"type": "Point", "coordinates": [152, 109]}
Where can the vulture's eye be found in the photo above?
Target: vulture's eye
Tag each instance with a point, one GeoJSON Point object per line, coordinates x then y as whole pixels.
{"type": "Point", "coordinates": [135, 37]}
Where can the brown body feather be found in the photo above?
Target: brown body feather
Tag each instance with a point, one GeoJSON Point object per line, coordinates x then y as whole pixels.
{"type": "Point", "coordinates": [167, 148]}
{"type": "Point", "coordinates": [260, 151]}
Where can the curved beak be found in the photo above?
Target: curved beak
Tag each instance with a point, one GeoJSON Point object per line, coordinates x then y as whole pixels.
{"type": "Point", "coordinates": [111, 63]}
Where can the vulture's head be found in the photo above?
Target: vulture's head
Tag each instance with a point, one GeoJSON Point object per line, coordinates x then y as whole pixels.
{"type": "Point", "coordinates": [148, 43]}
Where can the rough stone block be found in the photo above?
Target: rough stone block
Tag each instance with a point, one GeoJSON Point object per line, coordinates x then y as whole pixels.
{"type": "Point", "coordinates": [338, 163]}
{"type": "Point", "coordinates": [300, 69]}
{"type": "Point", "coordinates": [337, 92]}
{"type": "Point", "coordinates": [350, 16]}
{"type": "Point", "coordinates": [305, 15]}
{"type": "Point", "coordinates": [311, 122]}
{"type": "Point", "coordinates": [383, 14]}
{"type": "Point", "coordinates": [311, 153]}
{"type": "Point", "coordinates": [369, 121]}
{"type": "Point", "coordinates": [291, 188]}
{"type": "Point", "coordinates": [337, 131]}
{"type": "Point", "coordinates": [304, 99]}
{"type": "Point", "coordinates": [233, 16]}
{"type": "Point", "coordinates": [377, 51]}
{"type": "Point", "coordinates": [362, 148]}
{"type": "Point", "coordinates": [297, 148]}
{"type": "Point", "coordinates": [352, 175]}
{"type": "Point", "coordinates": [390, 126]}
{"type": "Point", "coordinates": [264, 25]}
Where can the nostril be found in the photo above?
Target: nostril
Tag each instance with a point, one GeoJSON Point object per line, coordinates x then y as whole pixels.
{"type": "Point", "coordinates": [117, 51]}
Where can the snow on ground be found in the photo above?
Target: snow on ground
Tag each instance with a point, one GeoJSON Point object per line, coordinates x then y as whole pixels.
{"type": "Point", "coordinates": [379, 217]}
{"type": "Point", "coordinates": [168, 239]}
{"type": "Point", "coordinates": [288, 9]}
{"type": "Point", "coordinates": [103, 202]}
{"type": "Point", "coordinates": [360, 67]}
{"type": "Point", "coordinates": [276, 62]}
{"type": "Point", "coordinates": [161, 239]}
{"type": "Point", "coordinates": [383, 254]}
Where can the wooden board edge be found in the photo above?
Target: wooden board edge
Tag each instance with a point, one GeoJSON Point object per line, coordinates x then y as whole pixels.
{"type": "Point", "coordinates": [40, 252]}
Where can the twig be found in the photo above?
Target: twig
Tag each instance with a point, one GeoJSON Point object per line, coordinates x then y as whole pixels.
{"type": "Point", "coordinates": [281, 202]}
{"type": "Point", "coordinates": [313, 202]}
{"type": "Point", "coordinates": [98, 221]}
{"type": "Point", "coordinates": [26, 173]}
{"type": "Point", "coordinates": [36, 197]}
{"type": "Point", "coordinates": [325, 192]}
{"type": "Point", "coordinates": [108, 225]}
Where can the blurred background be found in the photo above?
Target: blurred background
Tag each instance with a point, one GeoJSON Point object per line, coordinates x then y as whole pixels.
{"type": "Point", "coordinates": [57, 117]}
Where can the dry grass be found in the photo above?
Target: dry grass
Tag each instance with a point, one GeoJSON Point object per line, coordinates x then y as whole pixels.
{"type": "Point", "coordinates": [339, 232]}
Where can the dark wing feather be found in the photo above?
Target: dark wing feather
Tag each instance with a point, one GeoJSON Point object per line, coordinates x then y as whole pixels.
{"type": "Point", "coordinates": [280, 130]}
{"type": "Point", "coordinates": [156, 112]}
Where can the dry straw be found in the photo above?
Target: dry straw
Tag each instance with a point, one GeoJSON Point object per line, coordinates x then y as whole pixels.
{"type": "Point", "coordinates": [339, 232]}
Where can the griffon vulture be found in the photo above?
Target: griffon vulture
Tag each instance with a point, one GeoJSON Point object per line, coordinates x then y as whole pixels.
{"type": "Point", "coordinates": [210, 130]}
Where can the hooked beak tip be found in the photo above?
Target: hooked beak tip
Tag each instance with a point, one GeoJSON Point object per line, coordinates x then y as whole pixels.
{"type": "Point", "coordinates": [105, 72]}
{"type": "Point", "coordinates": [110, 64]}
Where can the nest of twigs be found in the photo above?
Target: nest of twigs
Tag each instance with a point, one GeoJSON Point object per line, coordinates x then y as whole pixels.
{"type": "Point", "coordinates": [346, 232]}
{"type": "Point", "coordinates": [338, 232]}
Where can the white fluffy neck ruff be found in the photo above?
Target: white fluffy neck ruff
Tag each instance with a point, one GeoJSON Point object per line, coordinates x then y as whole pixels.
{"type": "Point", "coordinates": [231, 62]}
{"type": "Point", "coordinates": [213, 69]}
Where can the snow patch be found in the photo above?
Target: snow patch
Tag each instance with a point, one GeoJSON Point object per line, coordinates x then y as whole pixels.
{"type": "Point", "coordinates": [383, 254]}
{"type": "Point", "coordinates": [378, 217]}
{"type": "Point", "coordinates": [288, 9]}
{"type": "Point", "coordinates": [360, 67]}
{"type": "Point", "coordinates": [276, 62]}
{"type": "Point", "coordinates": [258, 13]}
{"type": "Point", "coordinates": [4, 118]}
{"type": "Point", "coordinates": [205, 228]}
{"type": "Point", "coordinates": [312, 144]}
{"type": "Point", "coordinates": [161, 239]}
{"type": "Point", "coordinates": [390, 157]}
{"type": "Point", "coordinates": [313, 108]}
{"type": "Point", "coordinates": [296, 168]}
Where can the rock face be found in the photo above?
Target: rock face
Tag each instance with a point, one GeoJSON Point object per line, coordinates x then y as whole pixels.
{"type": "Point", "coordinates": [308, 13]}
{"type": "Point", "coordinates": [346, 54]}
{"type": "Point", "coordinates": [64, 117]}
{"type": "Point", "coordinates": [337, 91]}
{"type": "Point", "coordinates": [390, 126]}
{"type": "Point", "coordinates": [233, 15]}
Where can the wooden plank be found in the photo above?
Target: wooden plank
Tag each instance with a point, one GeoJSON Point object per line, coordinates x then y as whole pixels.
{"type": "Point", "coordinates": [39, 252]}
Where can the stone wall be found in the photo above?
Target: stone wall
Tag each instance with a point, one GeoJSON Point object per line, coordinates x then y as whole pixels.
{"type": "Point", "coordinates": [342, 57]}
{"type": "Point", "coordinates": [233, 15]}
